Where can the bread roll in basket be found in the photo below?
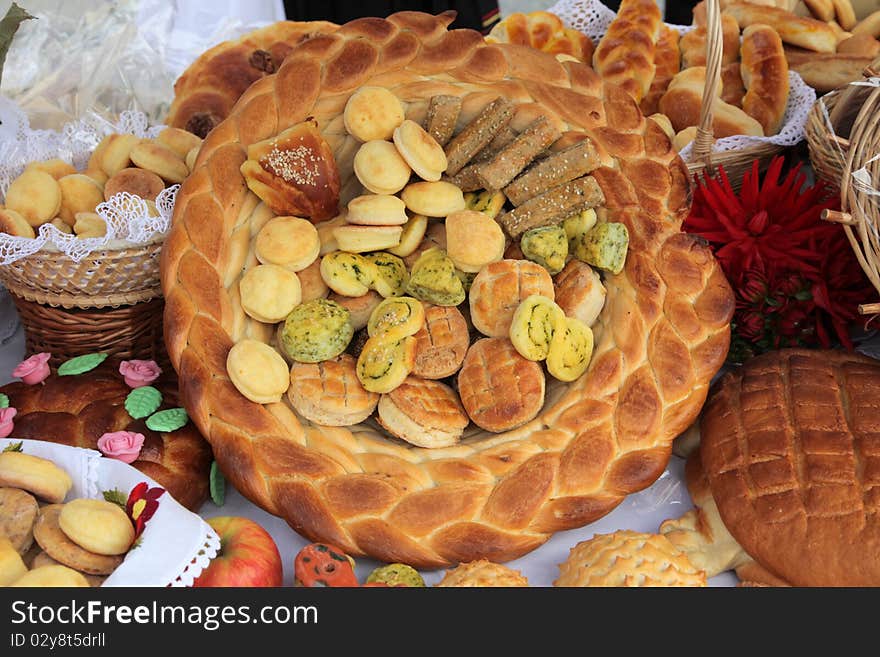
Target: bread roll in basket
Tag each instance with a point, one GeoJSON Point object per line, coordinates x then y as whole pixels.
{"type": "Point", "coordinates": [662, 335]}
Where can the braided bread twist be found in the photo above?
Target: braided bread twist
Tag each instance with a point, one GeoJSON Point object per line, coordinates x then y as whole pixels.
{"type": "Point", "coordinates": [662, 335]}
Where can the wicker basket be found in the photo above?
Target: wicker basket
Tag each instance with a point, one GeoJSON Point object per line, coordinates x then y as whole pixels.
{"type": "Point", "coordinates": [827, 154]}
{"type": "Point", "coordinates": [737, 162]}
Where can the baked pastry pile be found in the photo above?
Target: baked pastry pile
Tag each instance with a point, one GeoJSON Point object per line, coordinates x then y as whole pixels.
{"type": "Point", "coordinates": [50, 542]}
{"type": "Point", "coordinates": [53, 191]}
{"type": "Point", "coordinates": [444, 183]}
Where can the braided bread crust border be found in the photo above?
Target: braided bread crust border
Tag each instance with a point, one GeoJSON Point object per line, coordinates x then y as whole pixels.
{"type": "Point", "coordinates": [663, 333]}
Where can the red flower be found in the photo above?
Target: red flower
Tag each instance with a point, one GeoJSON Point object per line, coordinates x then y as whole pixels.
{"type": "Point", "coordinates": [796, 279]}
{"type": "Point", "coordinates": [142, 503]}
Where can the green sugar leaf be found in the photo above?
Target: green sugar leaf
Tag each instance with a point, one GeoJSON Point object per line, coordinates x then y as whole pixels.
{"type": "Point", "coordinates": [142, 402]}
{"type": "Point", "coordinates": [217, 485]}
{"type": "Point", "coordinates": [116, 496]}
{"type": "Point", "coordinates": [14, 447]}
{"type": "Point", "coordinates": [14, 17]}
{"type": "Point", "coordinates": [4, 400]}
{"type": "Point", "coordinates": [81, 364]}
{"type": "Point", "coordinates": [168, 420]}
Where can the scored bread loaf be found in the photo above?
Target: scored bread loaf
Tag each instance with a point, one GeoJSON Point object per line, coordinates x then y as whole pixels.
{"type": "Point", "coordinates": [684, 98]}
{"type": "Point", "coordinates": [765, 76]}
{"type": "Point", "coordinates": [798, 31]}
{"type": "Point", "coordinates": [625, 54]}
{"type": "Point", "coordinates": [667, 62]}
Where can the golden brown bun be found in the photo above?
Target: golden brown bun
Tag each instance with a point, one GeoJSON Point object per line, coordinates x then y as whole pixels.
{"type": "Point", "coordinates": [206, 91]}
{"type": "Point", "coordinates": [869, 25]}
{"type": "Point", "coordinates": [666, 324]}
{"type": "Point", "coordinates": [543, 31]}
{"type": "Point", "coordinates": [499, 288]}
{"type": "Point", "coordinates": [693, 44]}
{"type": "Point", "coordinates": [789, 447]}
{"type": "Point", "coordinates": [795, 30]}
{"type": "Point", "coordinates": [139, 182]}
{"type": "Point", "coordinates": [329, 393]}
{"type": "Point", "coordinates": [667, 62]}
{"type": "Point", "coordinates": [628, 558]}
{"type": "Point", "coordinates": [69, 410]}
{"type": "Point", "coordinates": [826, 72]}
{"type": "Point", "coordinates": [765, 75]}
{"type": "Point", "coordinates": [625, 55]}
{"type": "Point", "coordinates": [424, 413]}
{"type": "Point", "coordinates": [863, 44]}
{"type": "Point", "coordinates": [732, 88]}
{"type": "Point", "coordinates": [441, 344]}
{"type": "Point", "coordinates": [482, 573]}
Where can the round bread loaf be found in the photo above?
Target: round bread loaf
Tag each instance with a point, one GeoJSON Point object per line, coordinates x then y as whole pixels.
{"type": "Point", "coordinates": [665, 322]}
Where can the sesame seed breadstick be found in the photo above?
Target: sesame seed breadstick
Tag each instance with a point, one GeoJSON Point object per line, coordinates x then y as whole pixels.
{"type": "Point", "coordinates": [477, 134]}
{"type": "Point", "coordinates": [516, 156]}
{"type": "Point", "coordinates": [557, 169]}
{"type": "Point", "coordinates": [553, 206]}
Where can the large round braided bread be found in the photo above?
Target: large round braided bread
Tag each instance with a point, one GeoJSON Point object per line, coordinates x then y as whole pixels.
{"type": "Point", "coordinates": [664, 331]}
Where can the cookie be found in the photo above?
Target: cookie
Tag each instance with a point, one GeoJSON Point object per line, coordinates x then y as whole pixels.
{"type": "Point", "coordinates": [113, 154]}
{"type": "Point", "coordinates": [79, 193]}
{"type": "Point", "coordinates": [161, 160]}
{"type": "Point", "coordinates": [380, 167]}
{"type": "Point", "coordinates": [498, 290]}
{"type": "Point", "coordinates": [57, 576]}
{"type": "Point", "coordinates": [579, 292]}
{"type": "Point", "coordinates": [97, 526]}
{"type": "Point", "coordinates": [482, 573]}
{"type": "Point", "coordinates": [433, 199]}
{"type": "Point", "coordinates": [362, 239]}
{"type": "Point", "coordinates": [139, 182]}
{"type": "Point", "coordinates": [56, 167]}
{"type": "Point", "coordinates": [288, 242]}
{"type": "Point", "coordinates": [50, 536]}
{"type": "Point", "coordinates": [35, 195]}
{"type": "Point", "coordinates": [372, 113]}
{"type": "Point", "coordinates": [411, 236]}
{"type": "Point", "coordinates": [12, 566]}
{"type": "Point", "coordinates": [377, 210]}
{"type": "Point", "coordinates": [441, 344]}
{"type": "Point", "coordinates": [424, 413]}
{"type": "Point", "coordinates": [329, 393]}
{"type": "Point", "coordinates": [12, 223]}
{"type": "Point", "coordinates": [473, 240]}
{"type": "Point", "coordinates": [420, 150]}
{"type": "Point", "coordinates": [257, 371]}
{"type": "Point", "coordinates": [179, 141]}
{"type": "Point", "coordinates": [269, 293]}
{"type": "Point", "coordinates": [499, 389]}
{"type": "Point", "coordinates": [34, 474]}
{"type": "Point", "coordinates": [42, 559]}
{"type": "Point", "coordinates": [18, 511]}
{"type": "Point", "coordinates": [359, 308]}
{"type": "Point", "coordinates": [89, 224]}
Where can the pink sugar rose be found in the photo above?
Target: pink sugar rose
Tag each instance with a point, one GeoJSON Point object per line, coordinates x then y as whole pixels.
{"type": "Point", "coordinates": [6, 415]}
{"type": "Point", "coordinates": [33, 370]}
{"type": "Point", "coordinates": [139, 373]}
{"type": "Point", "coordinates": [123, 445]}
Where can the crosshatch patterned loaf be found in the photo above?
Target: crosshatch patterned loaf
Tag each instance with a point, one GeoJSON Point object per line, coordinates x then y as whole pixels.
{"type": "Point", "coordinates": [77, 410]}
{"type": "Point", "coordinates": [791, 451]}
{"type": "Point", "coordinates": [664, 329]}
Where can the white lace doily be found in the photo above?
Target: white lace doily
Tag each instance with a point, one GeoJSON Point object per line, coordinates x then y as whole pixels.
{"type": "Point", "coordinates": [176, 545]}
{"type": "Point", "coordinates": [127, 216]}
{"type": "Point", "coordinates": [593, 18]}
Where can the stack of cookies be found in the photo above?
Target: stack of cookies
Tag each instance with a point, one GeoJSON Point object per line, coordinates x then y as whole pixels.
{"type": "Point", "coordinates": [45, 542]}
{"type": "Point", "coordinates": [53, 191]}
{"type": "Point", "coordinates": [466, 264]}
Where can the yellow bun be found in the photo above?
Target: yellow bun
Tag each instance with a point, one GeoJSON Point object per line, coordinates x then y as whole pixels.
{"type": "Point", "coordinates": [269, 293]}
{"type": "Point", "coordinates": [11, 565]}
{"type": "Point", "coordinates": [115, 154]}
{"type": "Point", "coordinates": [97, 526]}
{"type": "Point", "coordinates": [139, 182]}
{"type": "Point", "coordinates": [35, 195]}
{"type": "Point", "coordinates": [372, 113]}
{"type": "Point", "coordinates": [161, 160]}
{"type": "Point", "coordinates": [433, 199]}
{"type": "Point", "coordinates": [420, 150]}
{"type": "Point", "coordinates": [57, 168]}
{"type": "Point", "coordinates": [312, 283]}
{"type": "Point", "coordinates": [473, 240]}
{"type": "Point", "coordinates": [257, 371]}
{"type": "Point", "coordinates": [179, 141]}
{"type": "Point", "coordinates": [361, 239]}
{"type": "Point", "coordinates": [12, 223]}
{"type": "Point", "coordinates": [97, 175]}
{"type": "Point", "coordinates": [79, 193]}
{"type": "Point", "coordinates": [359, 308]}
{"type": "Point", "coordinates": [411, 237]}
{"type": "Point", "coordinates": [58, 576]}
{"type": "Point", "coordinates": [380, 167]}
{"type": "Point", "coordinates": [89, 224]}
{"type": "Point", "coordinates": [377, 210]}
{"type": "Point", "coordinates": [34, 474]}
{"type": "Point", "coordinates": [288, 242]}
{"type": "Point", "coordinates": [62, 225]}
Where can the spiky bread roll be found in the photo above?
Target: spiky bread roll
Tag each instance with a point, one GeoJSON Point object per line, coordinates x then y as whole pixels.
{"type": "Point", "coordinates": [664, 328]}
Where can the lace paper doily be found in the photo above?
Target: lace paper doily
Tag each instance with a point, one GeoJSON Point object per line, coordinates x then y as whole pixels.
{"type": "Point", "coordinates": [127, 216]}
{"type": "Point", "coordinates": [593, 18]}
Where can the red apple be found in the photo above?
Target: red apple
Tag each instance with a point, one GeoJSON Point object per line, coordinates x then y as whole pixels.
{"type": "Point", "coordinates": [248, 556]}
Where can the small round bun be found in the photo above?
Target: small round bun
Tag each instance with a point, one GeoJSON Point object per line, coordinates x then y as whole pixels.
{"type": "Point", "coordinates": [179, 141]}
{"type": "Point", "coordinates": [372, 113]}
{"type": "Point", "coordinates": [377, 210]}
{"type": "Point", "coordinates": [329, 393]}
{"type": "Point", "coordinates": [56, 167]}
{"type": "Point", "coordinates": [52, 576]}
{"type": "Point", "coordinates": [257, 371]}
{"type": "Point", "coordinates": [161, 160]}
{"type": "Point", "coordinates": [441, 344]}
{"type": "Point", "coordinates": [473, 240]}
{"type": "Point", "coordinates": [97, 526]}
{"type": "Point", "coordinates": [420, 150]}
{"type": "Point", "coordinates": [433, 199]}
{"type": "Point", "coordinates": [140, 182]}
{"type": "Point", "coordinates": [315, 331]}
{"type": "Point", "coordinates": [79, 193]}
{"type": "Point", "coordinates": [113, 154]}
{"type": "Point", "coordinates": [482, 573]}
{"type": "Point", "coordinates": [380, 167]}
{"type": "Point", "coordinates": [39, 476]}
{"type": "Point", "coordinates": [498, 290]}
{"type": "Point", "coordinates": [288, 242]}
{"type": "Point", "coordinates": [35, 195]}
{"type": "Point", "coordinates": [12, 223]}
{"type": "Point", "coordinates": [269, 293]}
{"type": "Point", "coordinates": [424, 413]}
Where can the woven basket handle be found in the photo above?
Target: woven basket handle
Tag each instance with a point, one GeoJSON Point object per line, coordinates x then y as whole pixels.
{"type": "Point", "coordinates": [702, 150]}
